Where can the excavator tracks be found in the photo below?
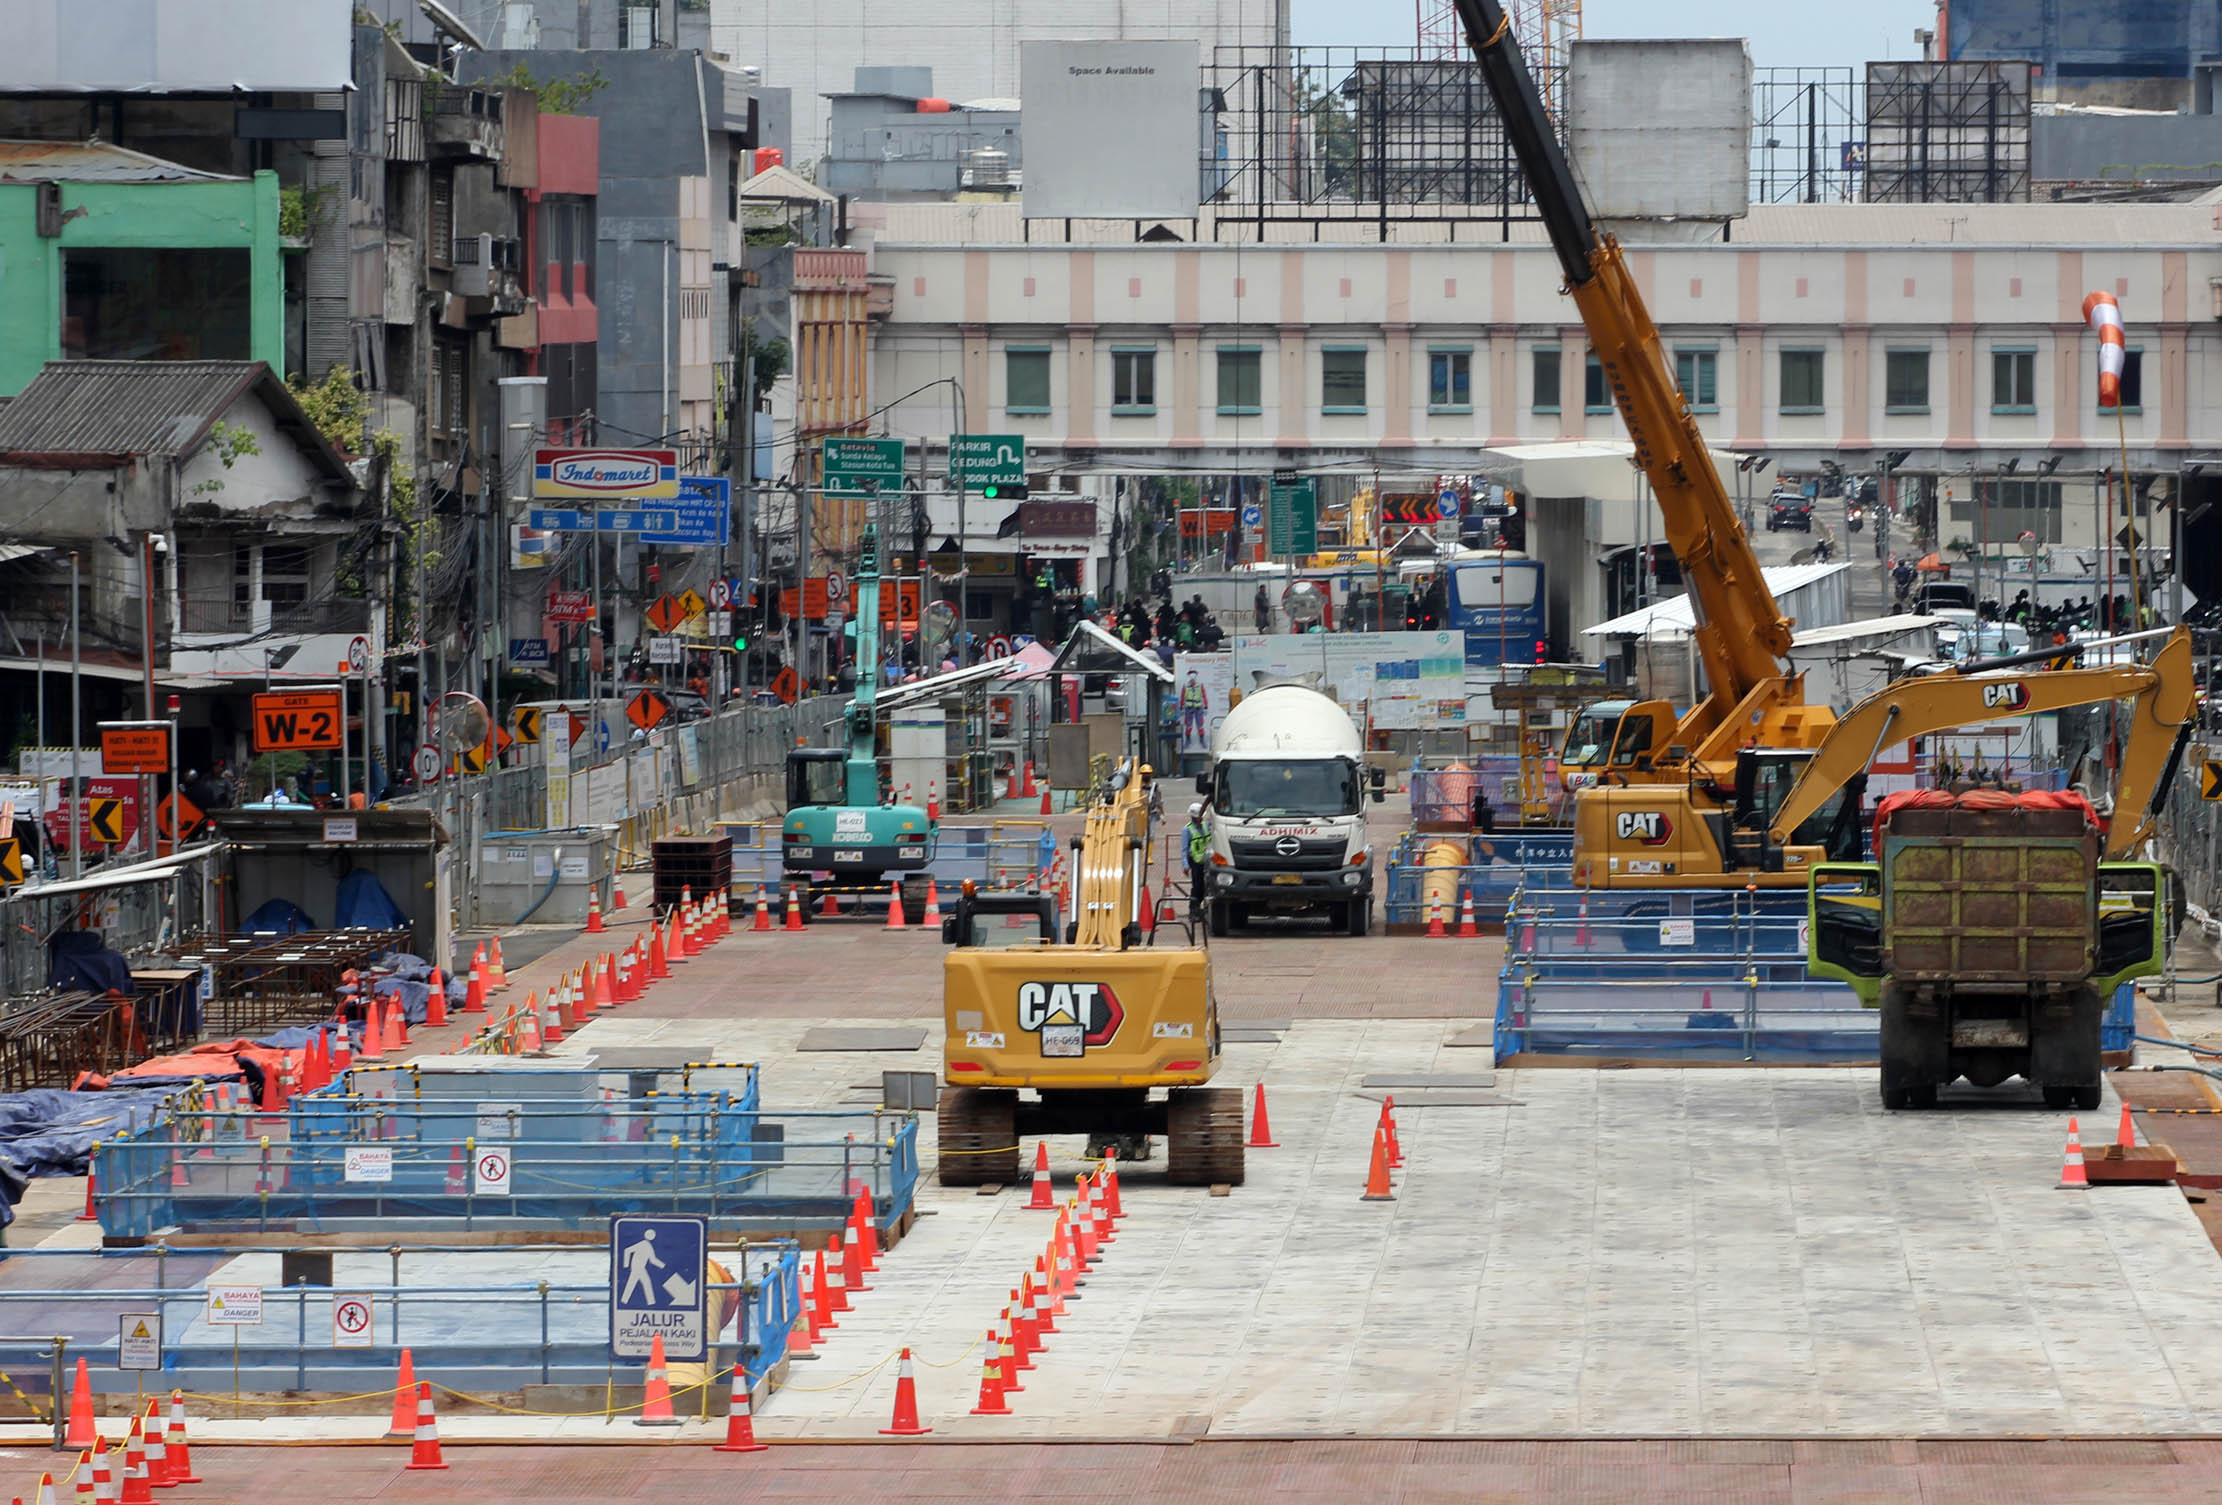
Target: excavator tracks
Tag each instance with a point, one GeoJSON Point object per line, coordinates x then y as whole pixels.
{"type": "Point", "coordinates": [1203, 1136]}
{"type": "Point", "coordinates": [979, 1136]}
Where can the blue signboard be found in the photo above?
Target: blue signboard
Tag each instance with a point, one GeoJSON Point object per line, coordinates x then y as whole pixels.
{"type": "Point", "coordinates": [659, 1284]}
{"type": "Point", "coordinates": [526, 651]}
{"type": "Point", "coordinates": [1446, 505]}
{"type": "Point", "coordinates": [705, 515]}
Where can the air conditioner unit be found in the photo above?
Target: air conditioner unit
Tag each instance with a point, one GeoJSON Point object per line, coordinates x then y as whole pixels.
{"type": "Point", "coordinates": [474, 265]}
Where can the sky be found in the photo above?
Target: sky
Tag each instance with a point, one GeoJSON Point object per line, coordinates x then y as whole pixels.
{"type": "Point", "coordinates": [1783, 33]}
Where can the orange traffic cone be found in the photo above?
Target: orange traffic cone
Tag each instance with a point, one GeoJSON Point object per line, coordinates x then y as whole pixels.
{"type": "Point", "coordinates": [137, 1487]}
{"type": "Point", "coordinates": [895, 905]}
{"type": "Point", "coordinates": [1146, 915]}
{"type": "Point", "coordinates": [374, 1044]}
{"type": "Point", "coordinates": [551, 1023]}
{"type": "Point", "coordinates": [1026, 790]}
{"type": "Point", "coordinates": [617, 888]}
{"type": "Point", "coordinates": [1435, 931]}
{"type": "Point", "coordinates": [1026, 1326]}
{"type": "Point", "coordinates": [497, 974]}
{"type": "Point", "coordinates": [1111, 1200]}
{"type": "Point", "coordinates": [823, 1311]}
{"type": "Point", "coordinates": [840, 1292]}
{"type": "Point", "coordinates": [905, 1423]}
{"type": "Point", "coordinates": [2072, 1175]}
{"type": "Point", "coordinates": [104, 1482]}
{"type": "Point", "coordinates": [156, 1447]}
{"type": "Point", "coordinates": [763, 912]}
{"type": "Point", "coordinates": [868, 1229]}
{"type": "Point", "coordinates": [794, 911]}
{"type": "Point", "coordinates": [435, 1001]}
{"type": "Point", "coordinates": [991, 1381]}
{"type": "Point", "coordinates": [740, 1424]}
{"type": "Point", "coordinates": [594, 911]}
{"type": "Point", "coordinates": [88, 1492]}
{"type": "Point", "coordinates": [933, 906]}
{"type": "Point", "coordinates": [92, 1176]}
{"type": "Point", "coordinates": [1261, 1127]}
{"type": "Point", "coordinates": [1041, 1201]}
{"type": "Point", "coordinates": [474, 994]}
{"type": "Point", "coordinates": [659, 965]}
{"type": "Point", "coordinates": [1377, 1173]}
{"type": "Point", "coordinates": [802, 1333]}
{"type": "Point", "coordinates": [678, 942]}
{"type": "Point", "coordinates": [404, 1421]}
{"type": "Point", "coordinates": [852, 1263]}
{"type": "Point", "coordinates": [1466, 930]}
{"type": "Point", "coordinates": [1045, 799]}
{"type": "Point", "coordinates": [655, 1396]}
{"type": "Point", "coordinates": [426, 1451]}
{"type": "Point", "coordinates": [2125, 1137]}
{"type": "Point", "coordinates": [1388, 1130]}
{"type": "Point", "coordinates": [181, 1450]}
{"type": "Point", "coordinates": [613, 987]}
{"type": "Point", "coordinates": [83, 1431]}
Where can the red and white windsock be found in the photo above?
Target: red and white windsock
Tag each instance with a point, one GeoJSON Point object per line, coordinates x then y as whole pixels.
{"type": "Point", "coordinates": [2104, 316]}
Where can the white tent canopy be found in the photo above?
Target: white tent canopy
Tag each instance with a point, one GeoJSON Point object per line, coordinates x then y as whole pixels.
{"type": "Point", "coordinates": [1675, 618]}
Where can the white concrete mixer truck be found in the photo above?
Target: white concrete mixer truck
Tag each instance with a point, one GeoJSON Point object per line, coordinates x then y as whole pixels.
{"type": "Point", "coordinates": [1287, 786]}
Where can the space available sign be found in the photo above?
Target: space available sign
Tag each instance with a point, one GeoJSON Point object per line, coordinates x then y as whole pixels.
{"type": "Point", "coordinates": [1111, 129]}
{"type": "Point", "coordinates": [608, 474]}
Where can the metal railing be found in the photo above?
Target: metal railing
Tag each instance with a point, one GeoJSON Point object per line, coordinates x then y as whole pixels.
{"type": "Point", "coordinates": [134, 918]}
{"type": "Point", "coordinates": [488, 1335]}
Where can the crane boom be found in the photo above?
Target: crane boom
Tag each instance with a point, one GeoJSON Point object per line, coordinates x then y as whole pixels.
{"type": "Point", "coordinates": [862, 779]}
{"type": "Point", "coordinates": [1742, 635]}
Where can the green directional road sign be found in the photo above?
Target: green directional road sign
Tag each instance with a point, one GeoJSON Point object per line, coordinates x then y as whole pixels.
{"type": "Point", "coordinates": [977, 460]}
{"type": "Point", "coordinates": [850, 463]}
{"type": "Point", "coordinates": [1292, 518]}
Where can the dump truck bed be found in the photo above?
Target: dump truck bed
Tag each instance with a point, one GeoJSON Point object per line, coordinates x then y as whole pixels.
{"type": "Point", "coordinates": [1989, 895]}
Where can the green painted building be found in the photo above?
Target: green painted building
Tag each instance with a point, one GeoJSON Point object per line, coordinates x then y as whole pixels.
{"type": "Point", "coordinates": [109, 254]}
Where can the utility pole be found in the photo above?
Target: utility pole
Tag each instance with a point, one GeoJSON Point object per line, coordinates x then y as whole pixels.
{"type": "Point", "coordinates": [76, 726]}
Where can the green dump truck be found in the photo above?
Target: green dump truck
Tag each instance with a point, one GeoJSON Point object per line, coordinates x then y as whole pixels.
{"type": "Point", "coordinates": [1989, 936]}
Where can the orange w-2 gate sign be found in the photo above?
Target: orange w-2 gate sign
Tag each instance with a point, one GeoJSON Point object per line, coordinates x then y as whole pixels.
{"type": "Point", "coordinates": [300, 720]}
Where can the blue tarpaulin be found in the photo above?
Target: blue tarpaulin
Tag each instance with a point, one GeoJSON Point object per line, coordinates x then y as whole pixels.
{"type": "Point", "coordinates": [51, 1133]}
{"type": "Point", "coordinates": [278, 917]}
{"type": "Point", "coordinates": [364, 904]}
{"type": "Point", "coordinates": [82, 961]}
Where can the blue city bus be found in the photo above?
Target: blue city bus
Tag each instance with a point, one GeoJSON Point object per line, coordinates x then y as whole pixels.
{"type": "Point", "coordinates": [1495, 598]}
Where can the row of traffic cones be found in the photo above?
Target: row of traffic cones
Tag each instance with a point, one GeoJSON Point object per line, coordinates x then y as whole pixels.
{"type": "Point", "coordinates": [155, 1455]}
{"type": "Point", "coordinates": [1467, 928]}
{"type": "Point", "coordinates": [606, 980]}
{"type": "Point", "coordinates": [1085, 1223]}
{"type": "Point", "coordinates": [829, 908]}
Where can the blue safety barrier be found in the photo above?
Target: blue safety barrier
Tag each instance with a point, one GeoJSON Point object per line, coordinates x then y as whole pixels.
{"type": "Point", "coordinates": [1004, 855]}
{"type": "Point", "coordinates": [496, 1335]}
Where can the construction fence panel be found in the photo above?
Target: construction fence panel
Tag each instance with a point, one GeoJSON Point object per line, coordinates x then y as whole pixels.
{"type": "Point", "coordinates": [134, 918]}
{"type": "Point", "coordinates": [496, 1336]}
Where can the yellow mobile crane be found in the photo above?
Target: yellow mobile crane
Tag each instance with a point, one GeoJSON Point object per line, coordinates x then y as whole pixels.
{"type": "Point", "coordinates": [1076, 1010]}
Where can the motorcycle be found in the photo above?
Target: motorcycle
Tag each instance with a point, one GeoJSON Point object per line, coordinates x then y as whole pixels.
{"type": "Point", "coordinates": [1854, 518]}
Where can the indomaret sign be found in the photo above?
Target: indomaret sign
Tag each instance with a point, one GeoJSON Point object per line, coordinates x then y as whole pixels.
{"type": "Point", "coordinates": [606, 474]}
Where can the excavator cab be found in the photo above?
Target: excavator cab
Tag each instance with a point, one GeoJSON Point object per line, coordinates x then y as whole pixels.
{"type": "Point", "coordinates": [816, 776]}
{"type": "Point", "coordinates": [1764, 779]}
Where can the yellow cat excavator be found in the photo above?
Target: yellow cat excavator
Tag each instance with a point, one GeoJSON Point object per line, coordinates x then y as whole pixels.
{"type": "Point", "coordinates": [1076, 1010]}
{"type": "Point", "coordinates": [1783, 817]}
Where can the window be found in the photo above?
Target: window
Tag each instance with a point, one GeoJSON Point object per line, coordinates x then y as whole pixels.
{"type": "Point", "coordinates": [1801, 380]}
{"type": "Point", "coordinates": [448, 406]}
{"type": "Point", "coordinates": [1026, 379]}
{"type": "Point", "coordinates": [1133, 381]}
{"type": "Point", "coordinates": [440, 244]}
{"type": "Point", "coordinates": [2013, 379]}
{"type": "Point", "coordinates": [1545, 364]}
{"type": "Point", "coordinates": [1238, 379]}
{"type": "Point", "coordinates": [132, 304]}
{"type": "Point", "coordinates": [1695, 373]}
{"type": "Point", "coordinates": [733, 184]}
{"type": "Point", "coordinates": [1342, 379]}
{"type": "Point", "coordinates": [1906, 381]}
{"type": "Point", "coordinates": [1595, 399]}
{"type": "Point", "coordinates": [1450, 381]}
{"type": "Point", "coordinates": [2133, 380]}
{"type": "Point", "coordinates": [285, 576]}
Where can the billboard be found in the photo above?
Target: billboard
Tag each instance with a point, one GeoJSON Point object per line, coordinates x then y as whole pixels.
{"type": "Point", "coordinates": [1661, 129]}
{"type": "Point", "coordinates": [146, 47]}
{"type": "Point", "coordinates": [1412, 681]}
{"type": "Point", "coordinates": [610, 474]}
{"type": "Point", "coordinates": [1110, 129]}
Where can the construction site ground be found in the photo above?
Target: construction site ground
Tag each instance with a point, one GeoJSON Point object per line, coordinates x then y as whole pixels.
{"type": "Point", "coordinates": [1647, 1284]}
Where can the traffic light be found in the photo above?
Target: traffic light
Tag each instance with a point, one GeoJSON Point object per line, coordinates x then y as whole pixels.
{"type": "Point", "coordinates": [1004, 491]}
{"type": "Point", "coordinates": [740, 642]}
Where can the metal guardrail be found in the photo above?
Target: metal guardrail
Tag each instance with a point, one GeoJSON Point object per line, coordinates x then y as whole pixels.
{"type": "Point", "coordinates": [489, 1335]}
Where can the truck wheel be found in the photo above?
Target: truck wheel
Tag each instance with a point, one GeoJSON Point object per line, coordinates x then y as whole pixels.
{"type": "Point", "coordinates": [1359, 917]}
{"type": "Point", "coordinates": [979, 1136]}
{"type": "Point", "coordinates": [1909, 1047]}
{"type": "Point", "coordinates": [1203, 1136]}
{"type": "Point", "coordinates": [2064, 1052]}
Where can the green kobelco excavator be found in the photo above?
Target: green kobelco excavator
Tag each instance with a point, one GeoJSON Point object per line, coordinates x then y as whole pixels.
{"type": "Point", "coordinates": [840, 836]}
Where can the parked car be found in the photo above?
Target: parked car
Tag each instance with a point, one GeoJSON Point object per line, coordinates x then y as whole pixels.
{"type": "Point", "coordinates": [1789, 509]}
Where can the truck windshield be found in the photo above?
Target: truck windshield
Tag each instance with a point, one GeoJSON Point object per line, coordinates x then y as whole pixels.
{"type": "Point", "coordinates": [816, 781]}
{"type": "Point", "coordinates": [1322, 786]}
{"type": "Point", "coordinates": [1589, 739]}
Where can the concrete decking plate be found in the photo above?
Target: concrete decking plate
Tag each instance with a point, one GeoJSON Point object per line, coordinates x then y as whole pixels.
{"type": "Point", "coordinates": [877, 1037]}
{"type": "Point", "coordinates": [1724, 1252]}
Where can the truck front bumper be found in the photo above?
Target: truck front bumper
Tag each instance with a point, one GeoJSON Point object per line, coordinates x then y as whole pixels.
{"type": "Point", "coordinates": [1252, 885]}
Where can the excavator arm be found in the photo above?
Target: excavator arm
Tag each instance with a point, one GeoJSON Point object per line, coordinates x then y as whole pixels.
{"type": "Point", "coordinates": [1742, 635]}
{"type": "Point", "coordinates": [2161, 695]}
{"type": "Point", "coordinates": [1114, 847]}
